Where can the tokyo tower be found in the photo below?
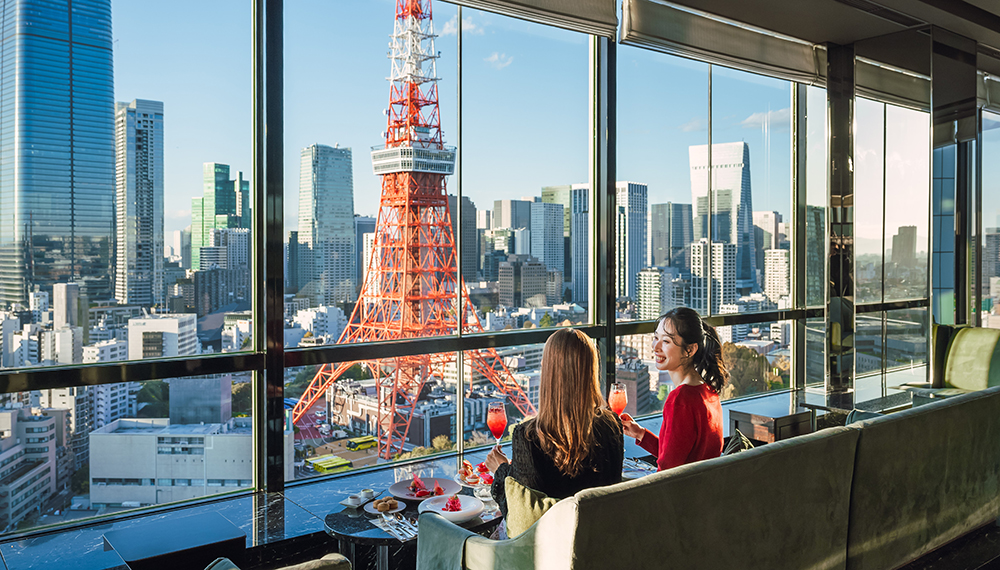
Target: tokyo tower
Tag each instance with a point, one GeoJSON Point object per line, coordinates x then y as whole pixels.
{"type": "Point", "coordinates": [410, 288]}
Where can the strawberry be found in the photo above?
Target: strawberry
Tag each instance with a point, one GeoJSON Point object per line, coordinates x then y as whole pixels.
{"type": "Point", "coordinates": [437, 489]}
{"type": "Point", "coordinates": [417, 484]}
{"type": "Point", "coordinates": [422, 493]}
{"type": "Point", "coordinates": [486, 478]}
{"type": "Point", "coordinates": [482, 468]}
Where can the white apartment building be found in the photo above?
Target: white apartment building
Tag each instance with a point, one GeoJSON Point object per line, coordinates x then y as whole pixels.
{"type": "Point", "coordinates": [327, 322]}
{"type": "Point", "coordinates": [186, 461]}
{"type": "Point", "coordinates": [777, 277]}
{"type": "Point", "coordinates": [163, 335]}
{"type": "Point", "coordinates": [27, 463]}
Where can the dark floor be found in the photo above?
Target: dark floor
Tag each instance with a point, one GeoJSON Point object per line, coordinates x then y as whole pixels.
{"type": "Point", "coordinates": [978, 550]}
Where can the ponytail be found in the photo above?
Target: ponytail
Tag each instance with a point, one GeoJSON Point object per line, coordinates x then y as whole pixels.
{"type": "Point", "coordinates": [710, 364]}
{"type": "Point", "coordinates": [708, 360]}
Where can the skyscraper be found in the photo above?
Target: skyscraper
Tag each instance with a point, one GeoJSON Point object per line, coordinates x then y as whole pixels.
{"type": "Point", "coordinates": [362, 225]}
{"type": "Point", "coordinates": [225, 203]}
{"type": "Point", "coordinates": [670, 235]}
{"type": "Point", "coordinates": [326, 224]}
{"type": "Point", "coordinates": [723, 276]}
{"type": "Point", "coordinates": [512, 214]}
{"type": "Point", "coordinates": [469, 255]}
{"type": "Point", "coordinates": [732, 206]}
{"type": "Point", "coordinates": [767, 235]}
{"type": "Point", "coordinates": [547, 234]}
{"type": "Point", "coordinates": [777, 265]}
{"type": "Point", "coordinates": [580, 242]}
{"type": "Point", "coordinates": [631, 247]}
{"type": "Point", "coordinates": [563, 195]}
{"type": "Point", "coordinates": [57, 149]}
{"type": "Point", "coordinates": [904, 246]}
{"type": "Point", "coordinates": [139, 203]}
{"type": "Point", "coordinates": [522, 282]}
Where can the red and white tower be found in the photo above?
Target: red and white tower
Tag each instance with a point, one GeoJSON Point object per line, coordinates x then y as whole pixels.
{"type": "Point", "coordinates": [412, 284]}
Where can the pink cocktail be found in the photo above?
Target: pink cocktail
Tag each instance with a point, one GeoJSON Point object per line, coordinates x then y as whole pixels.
{"type": "Point", "coordinates": [496, 420]}
{"type": "Point", "coordinates": [618, 398]}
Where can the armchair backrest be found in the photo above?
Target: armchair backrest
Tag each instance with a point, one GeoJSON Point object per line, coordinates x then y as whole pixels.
{"type": "Point", "coordinates": [973, 359]}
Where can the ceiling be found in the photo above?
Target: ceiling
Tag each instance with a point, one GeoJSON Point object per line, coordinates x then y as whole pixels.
{"type": "Point", "coordinates": [847, 21]}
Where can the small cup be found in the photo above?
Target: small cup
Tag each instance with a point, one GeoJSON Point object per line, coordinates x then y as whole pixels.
{"type": "Point", "coordinates": [367, 493]}
{"type": "Point", "coordinates": [354, 500]}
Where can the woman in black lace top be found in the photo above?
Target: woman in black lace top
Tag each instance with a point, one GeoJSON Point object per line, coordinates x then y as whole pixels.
{"type": "Point", "coordinates": [575, 441]}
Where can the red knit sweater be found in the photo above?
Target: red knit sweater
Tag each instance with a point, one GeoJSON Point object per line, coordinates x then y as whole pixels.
{"type": "Point", "coordinates": [691, 428]}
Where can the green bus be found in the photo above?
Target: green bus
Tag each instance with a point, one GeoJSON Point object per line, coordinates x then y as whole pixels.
{"type": "Point", "coordinates": [359, 443]}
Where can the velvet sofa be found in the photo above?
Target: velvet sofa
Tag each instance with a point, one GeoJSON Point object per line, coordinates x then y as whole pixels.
{"type": "Point", "coordinates": [874, 494]}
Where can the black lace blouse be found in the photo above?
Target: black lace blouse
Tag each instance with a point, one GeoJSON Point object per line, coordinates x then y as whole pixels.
{"type": "Point", "coordinates": [531, 467]}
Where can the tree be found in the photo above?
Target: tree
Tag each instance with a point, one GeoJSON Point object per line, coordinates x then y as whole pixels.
{"type": "Point", "coordinates": [478, 438]}
{"type": "Point", "coordinates": [154, 399]}
{"type": "Point", "coordinates": [442, 443]}
{"type": "Point", "coordinates": [79, 483]}
{"type": "Point", "coordinates": [662, 394]}
{"type": "Point", "coordinates": [749, 372]}
{"type": "Point", "coordinates": [545, 321]}
{"type": "Point", "coordinates": [242, 398]}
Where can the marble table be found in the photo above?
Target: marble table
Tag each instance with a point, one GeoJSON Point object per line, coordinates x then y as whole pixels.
{"type": "Point", "coordinates": [369, 547]}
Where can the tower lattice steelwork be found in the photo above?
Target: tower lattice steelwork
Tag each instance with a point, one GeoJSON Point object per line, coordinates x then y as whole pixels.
{"type": "Point", "coordinates": [411, 286]}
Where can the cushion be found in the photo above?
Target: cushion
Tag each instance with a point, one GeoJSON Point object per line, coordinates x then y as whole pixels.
{"type": "Point", "coordinates": [736, 443]}
{"type": "Point", "coordinates": [973, 361]}
{"type": "Point", "coordinates": [524, 506]}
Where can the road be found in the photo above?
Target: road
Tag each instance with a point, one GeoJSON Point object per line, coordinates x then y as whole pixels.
{"type": "Point", "coordinates": [309, 424]}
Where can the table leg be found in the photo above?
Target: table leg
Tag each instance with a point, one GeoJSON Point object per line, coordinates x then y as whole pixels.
{"type": "Point", "coordinates": [347, 549]}
{"type": "Point", "coordinates": [382, 555]}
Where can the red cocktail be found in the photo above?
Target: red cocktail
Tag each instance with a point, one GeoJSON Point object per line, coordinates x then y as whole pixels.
{"type": "Point", "coordinates": [618, 399]}
{"type": "Point", "coordinates": [496, 420]}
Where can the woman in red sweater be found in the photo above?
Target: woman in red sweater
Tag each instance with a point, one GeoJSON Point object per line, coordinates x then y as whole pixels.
{"type": "Point", "coordinates": [691, 352]}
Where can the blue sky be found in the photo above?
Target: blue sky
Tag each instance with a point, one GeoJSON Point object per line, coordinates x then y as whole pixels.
{"type": "Point", "coordinates": [525, 100]}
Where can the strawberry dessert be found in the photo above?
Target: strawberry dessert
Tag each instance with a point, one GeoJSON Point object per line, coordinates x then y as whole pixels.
{"type": "Point", "coordinates": [482, 468]}
{"type": "Point", "coordinates": [418, 489]}
{"type": "Point", "coordinates": [453, 504]}
{"type": "Point", "coordinates": [437, 489]}
{"type": "Point", "coordinates": [486, 478]}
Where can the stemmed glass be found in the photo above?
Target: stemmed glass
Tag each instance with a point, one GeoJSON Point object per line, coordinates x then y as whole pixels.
{"type": "Point", "coordinates": [618, 398]}
{"type": "Point", "coordinates": [496, 420]}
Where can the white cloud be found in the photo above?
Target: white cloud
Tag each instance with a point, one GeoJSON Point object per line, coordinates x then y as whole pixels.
{"type": "Point", "coordinates": [777, 119]}
{"type": "Point", "coordinates": [450, 27]}
{"type": "Point", "coordinates": [499, 60]}
{"type": "Point", "coordinates": [695, 124]}
{"type": "Point", "coordinates": [178, 214]}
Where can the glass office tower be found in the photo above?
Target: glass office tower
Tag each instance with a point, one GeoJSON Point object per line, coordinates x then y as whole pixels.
{"type": "Point", "coordinates": [57, 153]}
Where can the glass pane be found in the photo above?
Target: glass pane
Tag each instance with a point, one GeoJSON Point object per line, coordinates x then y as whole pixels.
{"type": "Point", "coordinates": [511, 375]}
{"type": "Point", "coordinates": [815, 353]}
{"type": "Point", "coordinates": [647, 387]}
{"type": "Point", "coordinates": [360, 420]}
{"type": "Point", "coordinates": [816, 196]}
{"type": "Point", "coordinates": [158, 178]}
{"type": "Point", "coordinates": [751, 203]}
{"type": "Point", "coordinates": [758, 356]}
{"type": "Point", "coordinates": [868, 344]}
{"type": "Point", "coordinates": [869, 167]}
{"type": "Point", "coordinates": [525, 191]}
{"type": "Point", "coordinates": [907, 187]}
{"type": "Point", "coordinates": [990, 282]}
{"type": "Point", "coordinates": [94, 450]}
{"type": "Point", "coordinates": [659, 132]}
{"type": "Point", "coordinates": [906, 341]}
{"type": "Point", "coordinates": [355, 160]}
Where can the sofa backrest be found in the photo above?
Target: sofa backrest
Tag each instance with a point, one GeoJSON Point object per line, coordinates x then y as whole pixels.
{"type": "Point", "coordinates": [973, 359]}
{"type": "Point", "coordinates": [923, 477]}
{"type": "Point", "coordinates": [746, 511]}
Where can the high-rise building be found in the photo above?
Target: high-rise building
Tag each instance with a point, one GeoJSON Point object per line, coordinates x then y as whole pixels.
{"type": "Point", "coordinates": [815, 269]}
{"type": "Point", "coordinates": [512, 214]}
{"type": "Point", "coordinates": [483, 220]}
{"type": "Point", "coordinates": [326, 224]}
{"type": "Point", "coordinates": [631, 247]}
{"type": "Point", "coordinates": [723, 275]}
{"type": "Point", "coordinates": [732, 206]}
{"type": "Point", "coordinates": [139, 203]}
{"type": "Point", "coordinates": [904, 246]}
{"type": "Point", "coordinates": [80, 418]}
{"type": "Point", "coordinates": [292, 258]}
{"type": "Point", "coordinates": [158, 336]}
{"type": "Point", "coordinates": [469, 255]}
{"type": "Point", "coordinates": [57, 148]}
{"type": "Point", "coordinates": [579, 237]}
{"type": "Point", "coordinates": [670, 235]}
{"type": "Point", "coordinates": [767, 235]}
{"type": "Point", "coordinates": [225, 203]}
{"type": "Point", "coordinates": [777, 274]}
{"type": "Point", "coordinates": [65, 305]}
{"type": "Point", "coordinates": [659, 289]}
{"type": "Point", "coordinates": [362, 225]}
{"type": "Point", "coordinates": [547, 243]}
{"type": "Point", "coordinates": [563, 195]}
{"type": "Point", "coordinates": [522, 281]}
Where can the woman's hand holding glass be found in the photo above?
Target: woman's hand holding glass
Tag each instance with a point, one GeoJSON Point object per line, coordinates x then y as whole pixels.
{"type": "Point", "coordinates": [495, 459]}
{"type": "Point", "coordinates": [630, 428]}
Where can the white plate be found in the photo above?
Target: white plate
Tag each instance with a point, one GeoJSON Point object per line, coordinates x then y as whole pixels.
{"type": "Point", "coordinates": [464, 483]}
{"type": "Point", "coordinates": [370, 508]}
{"type": "Point", "coordinates": [471, 507]}
{"type": "Point", "coordinates": [402, 489]}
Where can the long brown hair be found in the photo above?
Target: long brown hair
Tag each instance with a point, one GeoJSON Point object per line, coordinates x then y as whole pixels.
{"type": "Point", "coordinates": [569, 397]}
